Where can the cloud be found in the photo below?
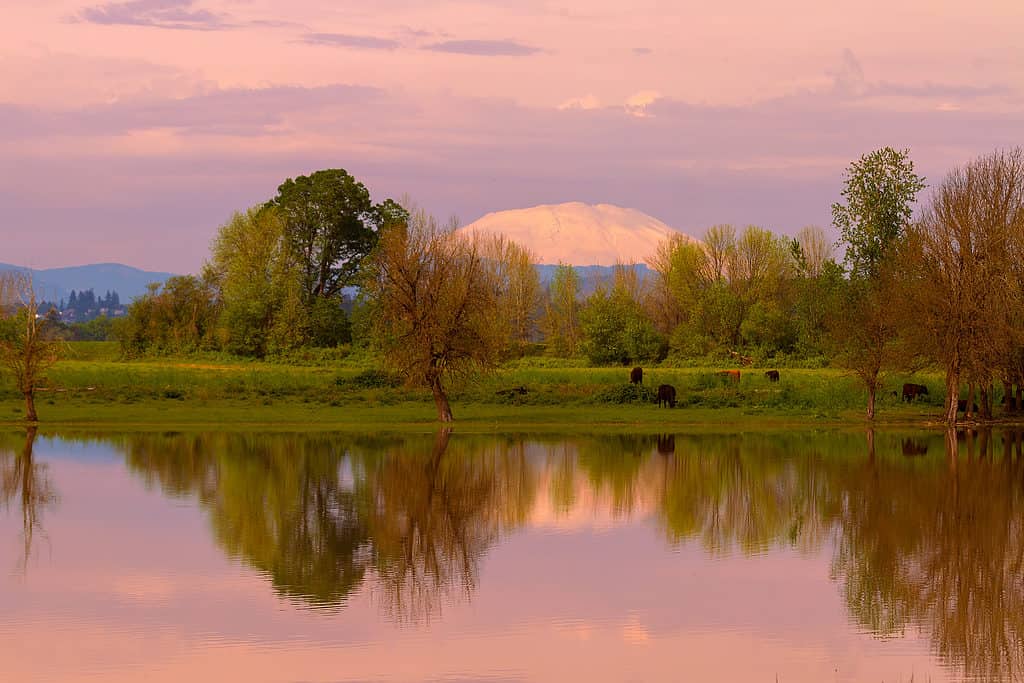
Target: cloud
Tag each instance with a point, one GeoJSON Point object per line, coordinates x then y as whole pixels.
{"type": "Point", "coordinates": [585, 102]}
{"type": "Point", "coordinates": [638, 103]}
{"type": "Point", "coordinates": [236, 112]}
{"type": "Point", "coordinates": [642, 51]}
{"type": "Point", "coordinates": [170, 14]}
{"type": "Point", "coordinates": [348, 40]}
{"type": "Point", "coordinates": [484, 48]}
{"type": "Point", "coordinates": [848, 76]}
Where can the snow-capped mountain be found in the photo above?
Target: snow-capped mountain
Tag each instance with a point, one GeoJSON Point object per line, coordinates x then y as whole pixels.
{"type": "Point", "coordinates": [580, 234]}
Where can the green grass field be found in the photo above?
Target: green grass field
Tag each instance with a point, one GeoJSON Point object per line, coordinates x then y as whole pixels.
{"type": "Point", "coordinates": [93, 386]}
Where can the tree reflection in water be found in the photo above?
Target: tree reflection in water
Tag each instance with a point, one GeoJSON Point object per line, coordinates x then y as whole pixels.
{"type": "Point", "coordinates": [318, 513]}
{"type": "Point", "coordinates": [928, 536]}
{"type": "Point", "coordinates": [25, 483]}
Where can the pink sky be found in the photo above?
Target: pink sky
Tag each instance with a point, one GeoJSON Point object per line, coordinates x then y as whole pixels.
{"type": "Point", "coordinates": [130, 130]}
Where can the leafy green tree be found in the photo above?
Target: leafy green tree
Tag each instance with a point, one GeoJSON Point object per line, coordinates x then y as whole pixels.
{"type": "Point", "coordinates": [331, 225]}
{"type": "Point", "coordinates": [880, 191]}
{"type": "Point", "coordinates": [615, 326]}
{"type": "Point", "coordinates": [259, 283]}
{"type": "Point", "coordinates": [879, 194]}
{"type": "Point", "coordinates": [178, 316]}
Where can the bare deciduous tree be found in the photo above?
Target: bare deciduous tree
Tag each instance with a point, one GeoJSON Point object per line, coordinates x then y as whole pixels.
{"type": "Point", "coordinates": [434, 303]}
{"type": "Point", "coordinates": [518, 286]}
{"type": "Point", "coordinates": [25, 353]}
{"type": "Point", "coordinates": [816, 249]}
{"type": "Point", "coordinates": [968, 293]}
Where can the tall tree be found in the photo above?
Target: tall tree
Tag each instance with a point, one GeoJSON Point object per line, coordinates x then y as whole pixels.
{"type": "Point", "coordinates": [518, 287]}
{"type": "Point", "coordinates": [562, 312]}
{"type": "Point", "coordinates": [25, 351]}
{"type": "Point", "coordinates": [259, 282]}
{"type": "Point", "coordinates": [879, 193]}
{"type": "Point", "coordinates": [965, 256]}
{"type": "Point", "coordinates": [435, 308]}
{"type": "Point", "coordinates": [331, 225]}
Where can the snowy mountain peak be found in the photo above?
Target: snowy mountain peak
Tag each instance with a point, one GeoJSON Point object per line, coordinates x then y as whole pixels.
{"type": "Point", "coordinates": [580, 234]}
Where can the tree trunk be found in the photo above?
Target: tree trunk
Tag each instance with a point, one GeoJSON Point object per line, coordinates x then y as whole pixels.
{"type": "Point", "coordinates": [1008, 403]}
{"type": "Point", "coordinates": [872, 390]}
{"type": "Point", "coordinates": [30, 407]}
{"type": "Point", "coordinates": [952, 393]}
{"type": "Point", "coordinates": [444, 411]}
{"type": "Point", "coordinates": [1019, 405]}
{"type": "Point", "coordinates": [985, 398]}
{"type": "Point", "coordinates": [969, 406]}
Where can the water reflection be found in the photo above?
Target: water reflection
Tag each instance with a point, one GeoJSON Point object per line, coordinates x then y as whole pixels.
{"type": "Point", "coordinates": [925, 531]}
{"type": "Point", "coordinates": [25, 484]}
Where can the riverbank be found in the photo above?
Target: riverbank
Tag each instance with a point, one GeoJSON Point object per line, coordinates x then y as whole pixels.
{"type": "Point", "coordinates": [93, 387]}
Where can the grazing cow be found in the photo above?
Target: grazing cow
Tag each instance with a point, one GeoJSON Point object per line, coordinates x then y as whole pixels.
{"type": "Point", "coordinates": [961, 405]}
{"type": "Point", "coordinates": [772, 375]}
{"type": "Point", "coordinates": [667, 396]}
{"type": "Point", "coordinates": [912, 447]}
{"type": "Point", "coordinates": [636, 376]}
{"type": "Point", "coordinates": [912, 391]}
{"type": "Point", "coordinates": [730, 375]}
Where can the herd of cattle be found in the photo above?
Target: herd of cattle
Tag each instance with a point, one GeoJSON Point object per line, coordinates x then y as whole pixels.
{"type": "Point", "coordinates": [667, 392]}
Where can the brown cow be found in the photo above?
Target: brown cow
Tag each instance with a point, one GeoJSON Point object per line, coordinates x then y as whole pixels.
{"type": "Point", "coordinates": [912, 391]}
{"type": "Point", "coordinates": [772, 375]}
{"type": "Point", "coordinates": [730, 375]}
{"type": "Point", "coordinates": [636, 376]}
{"type": "Point", "coordinates": [667, 396]}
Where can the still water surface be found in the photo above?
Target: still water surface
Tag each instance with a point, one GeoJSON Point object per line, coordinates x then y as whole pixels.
{"type": "Point", "coordinates": [802, 556]}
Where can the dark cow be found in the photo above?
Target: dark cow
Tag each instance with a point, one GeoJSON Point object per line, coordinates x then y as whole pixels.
{"type": "Point", "coordinates": [636, 376]}
{"type": "Point", "coordinates": [667, 396]}
{"type": "Point", "coordinates": [912, 447]}
{"type": "Point", "coordinates": [912, 391]}
{"type": "Point", "coordinates": [730, 375]}
{"type": "Point", "coordinates": [772, 375]}
{"type": "Point", "coordinates": [961, 405]}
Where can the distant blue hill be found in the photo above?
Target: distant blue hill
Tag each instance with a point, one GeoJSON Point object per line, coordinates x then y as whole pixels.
{"type": "Point", "coordinates": [55, 284]}
{"type": "Point", "coordinates": [590, 276]}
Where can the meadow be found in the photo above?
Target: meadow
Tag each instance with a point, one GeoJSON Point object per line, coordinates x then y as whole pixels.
{"type": "Point", "coordinates": [94, 385]}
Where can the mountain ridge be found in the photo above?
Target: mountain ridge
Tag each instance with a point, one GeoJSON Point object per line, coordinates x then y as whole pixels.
{"type": "Point", "coordinates": [56, 283]}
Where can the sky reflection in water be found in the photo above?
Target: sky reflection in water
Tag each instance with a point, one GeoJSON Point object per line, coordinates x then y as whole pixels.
{"type": "Point", "coordinates": [341, 557]}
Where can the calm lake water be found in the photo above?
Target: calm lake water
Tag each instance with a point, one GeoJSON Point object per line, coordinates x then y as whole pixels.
{"type": "Point", "coordinates": [796, 556]}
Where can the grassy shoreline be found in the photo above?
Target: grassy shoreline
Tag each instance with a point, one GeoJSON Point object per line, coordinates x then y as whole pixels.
{"type": "Point", "coordinates": [92, 388]}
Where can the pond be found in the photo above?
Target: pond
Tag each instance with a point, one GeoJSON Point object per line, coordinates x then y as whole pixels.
{"type": "Point", "coordinates": [788, 556]}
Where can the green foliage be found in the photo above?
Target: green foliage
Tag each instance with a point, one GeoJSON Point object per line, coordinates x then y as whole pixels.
{"type": "Point", "coordinates": [615, 327]}
{"type": "Point", "coordinates": [561, 322]}
{"type": "Point", "coordinates": [177, 317]}
{"type": "Point", "coordinates": [329, 326]}
{"type": "Point", "coordinates": [259, 282]}
{"type": "Point", "coordinates": [331, 225]}
{"type": "Point", "coordinates": [880, 190]}
{"type": "Point", "coordinates": [370, 379]}
{"type": "Point", "coordinates": [626, 393]}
